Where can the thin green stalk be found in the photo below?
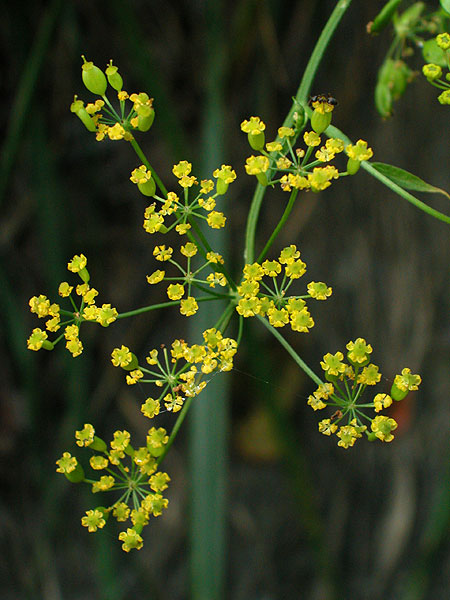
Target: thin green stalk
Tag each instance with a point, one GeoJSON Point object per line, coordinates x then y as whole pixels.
{"type": "Point", "coordinates": [281, 222]}
{"type": "Point", "coordinates": [140, 311]}
{"type": "Point", "coordinates": [176, 428]}
{"type": "Point", "coordinates": [301, 96]}
{"type": "Point", "coordinates": [290, 350]}
{"type": "Point", "coordinates": [335, 132]}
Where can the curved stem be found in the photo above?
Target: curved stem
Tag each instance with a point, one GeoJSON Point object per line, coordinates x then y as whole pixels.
{"type": "Point", "coordinates": [335, 132]}
{"type": "Point", "coordinates": [301, 96]}
{"type": "Point", "coordinates": [290, 351]}
{"type": "Point", "coordinates": [278, 228]}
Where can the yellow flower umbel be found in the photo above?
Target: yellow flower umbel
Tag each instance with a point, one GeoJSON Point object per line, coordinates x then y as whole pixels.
{"type": "Point", "coordinates": [255, 295]}
{"type": "Point", "coordinates": [346, 383]}
{"type": "Point", "coordinates": [132, 475]}
{"type": "Point", "coordinates": [86, 311]}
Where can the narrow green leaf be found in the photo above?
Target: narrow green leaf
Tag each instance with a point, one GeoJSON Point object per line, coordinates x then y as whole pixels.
{"type": "Point", "coordinates": [407, 180]}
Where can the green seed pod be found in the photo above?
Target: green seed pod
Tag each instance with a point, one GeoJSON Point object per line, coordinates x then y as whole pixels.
{"type": "Point", "coordinates": [93, 78]}
{"type": "Point", "coordinates": [146, 116]}
{"type": "Point", "coordinates": [48, 345]}
{"type": "Point", "coordinates": [155, 452]}
{"type": "Point", "coordinates": [383, 99]}
{"type": "Point", "coordinates": [352, 168]}
{"type": "Point", "coordinates": [148, 188]}
{"type": "Point", "coordinates": [77, 475]}
{"type": "Point", "coordinates": [77, 107]}
{"type": "Point", "coordinates": [401, 76]}
{"type": "Point", "coordinates": [138, 528]}
{"type": "Point", "coordinates": [371, 437]}
{"type": "Point", "coordinates": [221, 187]}
{"type": "Point", "coordinates": [352, 362]}
{"type": "Point", "coordinates": [298, 117]}
{"type": "Point", "coordinates": [397, 393]}
{"type": "Point", "coordinates": [256, 140]}
{"type": "Point", "coordinates": [332, 378]}
{"type": "Point", "coordinates": [98, 445]}
{"type": "Point", "coordinates": [129, 450]}
{"type": "Point", "coordinates": [319, 121]}
{"type": "Point", "coordinates": [134, 364]}
{"type": "Point", "coordinates": [114, 79]}
{"type": "Point", "coordinates": [105, 512]}
{"type": "Point", "coordinates": [84, 274]}
{"type": "Point", "coordinates": [383, 18]}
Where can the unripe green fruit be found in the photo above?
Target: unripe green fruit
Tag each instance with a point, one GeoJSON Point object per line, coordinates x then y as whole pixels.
{"type": "Point", "coordinates": [148, 188]}
{"type": "Point", "coordinates": [93, 78]}
{"type": "Point", "coordinates": [221, 187]}
{"type": "Point", "coordinates": [146, 116]}
{"type": "Point", "coordinates": [262, 179]}
{"type": "Point", "coordinates": [134, 364]}
{"type": "Point", "coordinates": [77, 475]}
{"type": "Point", "coordinates": [114, 78]}
{"type": "Point", "coordinates": [397, 393]}
{"type": "Point", "coordinates": [84, 275]}
{"type": "Point", "coordinates": [319, 121]}
{"type": "Point", "coordinates": [353, 166]}
{"type": "Point", "coordinates": [256, 140]}
{"type": "Point", "coordinates": [77, 107]}
{"type": "Point", "coordinates": [98, 445]}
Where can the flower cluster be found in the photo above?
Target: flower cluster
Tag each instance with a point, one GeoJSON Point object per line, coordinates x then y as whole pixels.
{"type": "Point", "coordinates": [86, 311]}
{"type": "Point", "coordinates": [433, 71]}
{"type": "Point", "coordinates": [180, 374]}
{"type": "Point", "coordinates": [132, 472]}
{"type": "Point", "coordinates": [183, 210]}
{"type": "Point", "coordinates": [297, 169]}
{"type": "Point", "coordinates": [110, 123]}
{"type": "Point", "coordinates": [343, 391]}
{"type": "Point", "coordinates": [258, 297]}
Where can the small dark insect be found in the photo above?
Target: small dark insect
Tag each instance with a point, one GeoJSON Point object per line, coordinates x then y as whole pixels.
{"type": "Point", "coordinates": [337, 415]}
{"type": "Point", "coordinates": [323, 98]}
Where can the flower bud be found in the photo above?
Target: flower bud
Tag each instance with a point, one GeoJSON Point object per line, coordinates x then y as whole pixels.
{"type": "Point", "coordinates": [320, 121]}
{"type": "Point", "coordinates": [77, 475]}
{"type": "Point", "coordinates": [114, 79]}
{"type": "Point", "coordinates": [93, 78]}
{"type": "Point", "coordinates": [77, 107]}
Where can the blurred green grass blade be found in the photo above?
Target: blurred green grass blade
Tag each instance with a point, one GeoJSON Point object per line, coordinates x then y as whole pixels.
{"type": "Point", "coordinates": [25, 91]}
{"type": "Point", "coordinates": [209, 418]}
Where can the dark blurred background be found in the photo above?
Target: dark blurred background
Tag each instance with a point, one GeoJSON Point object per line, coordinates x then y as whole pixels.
{"type": "Point", "coordinates": [304, 518]}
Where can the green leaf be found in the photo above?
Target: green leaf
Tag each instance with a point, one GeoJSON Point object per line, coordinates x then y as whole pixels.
{"type": "Point", "coordinates": [406, 180]}
{"type": "Point", "coordinates": [446, 5]}
{"type": "Point", "coordinates": [433, 54]}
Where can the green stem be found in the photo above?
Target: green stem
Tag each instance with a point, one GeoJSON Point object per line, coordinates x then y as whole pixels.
{"type": "Point", "coordinates": [142, 156]}
{"type": "Point", "coordinates": [335, 132]}
{"type": "Point", "coordinates": [290, 350]}
{"type": "Point", "coordinates": [140, 311]}
{"type": "Point", "coordinates": [175, 429]}
{"type": "Point", "coordinates": [301, 97]}
{"type": "Point", "coordinates": [278, 228]}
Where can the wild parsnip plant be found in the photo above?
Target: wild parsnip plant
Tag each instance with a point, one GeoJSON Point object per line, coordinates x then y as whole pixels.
{"type": "Point", "coordinates": [307, 156]}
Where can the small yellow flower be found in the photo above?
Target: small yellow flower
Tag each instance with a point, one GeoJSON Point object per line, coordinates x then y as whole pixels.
{"type": "Point", "coordinates": [253, 126]}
